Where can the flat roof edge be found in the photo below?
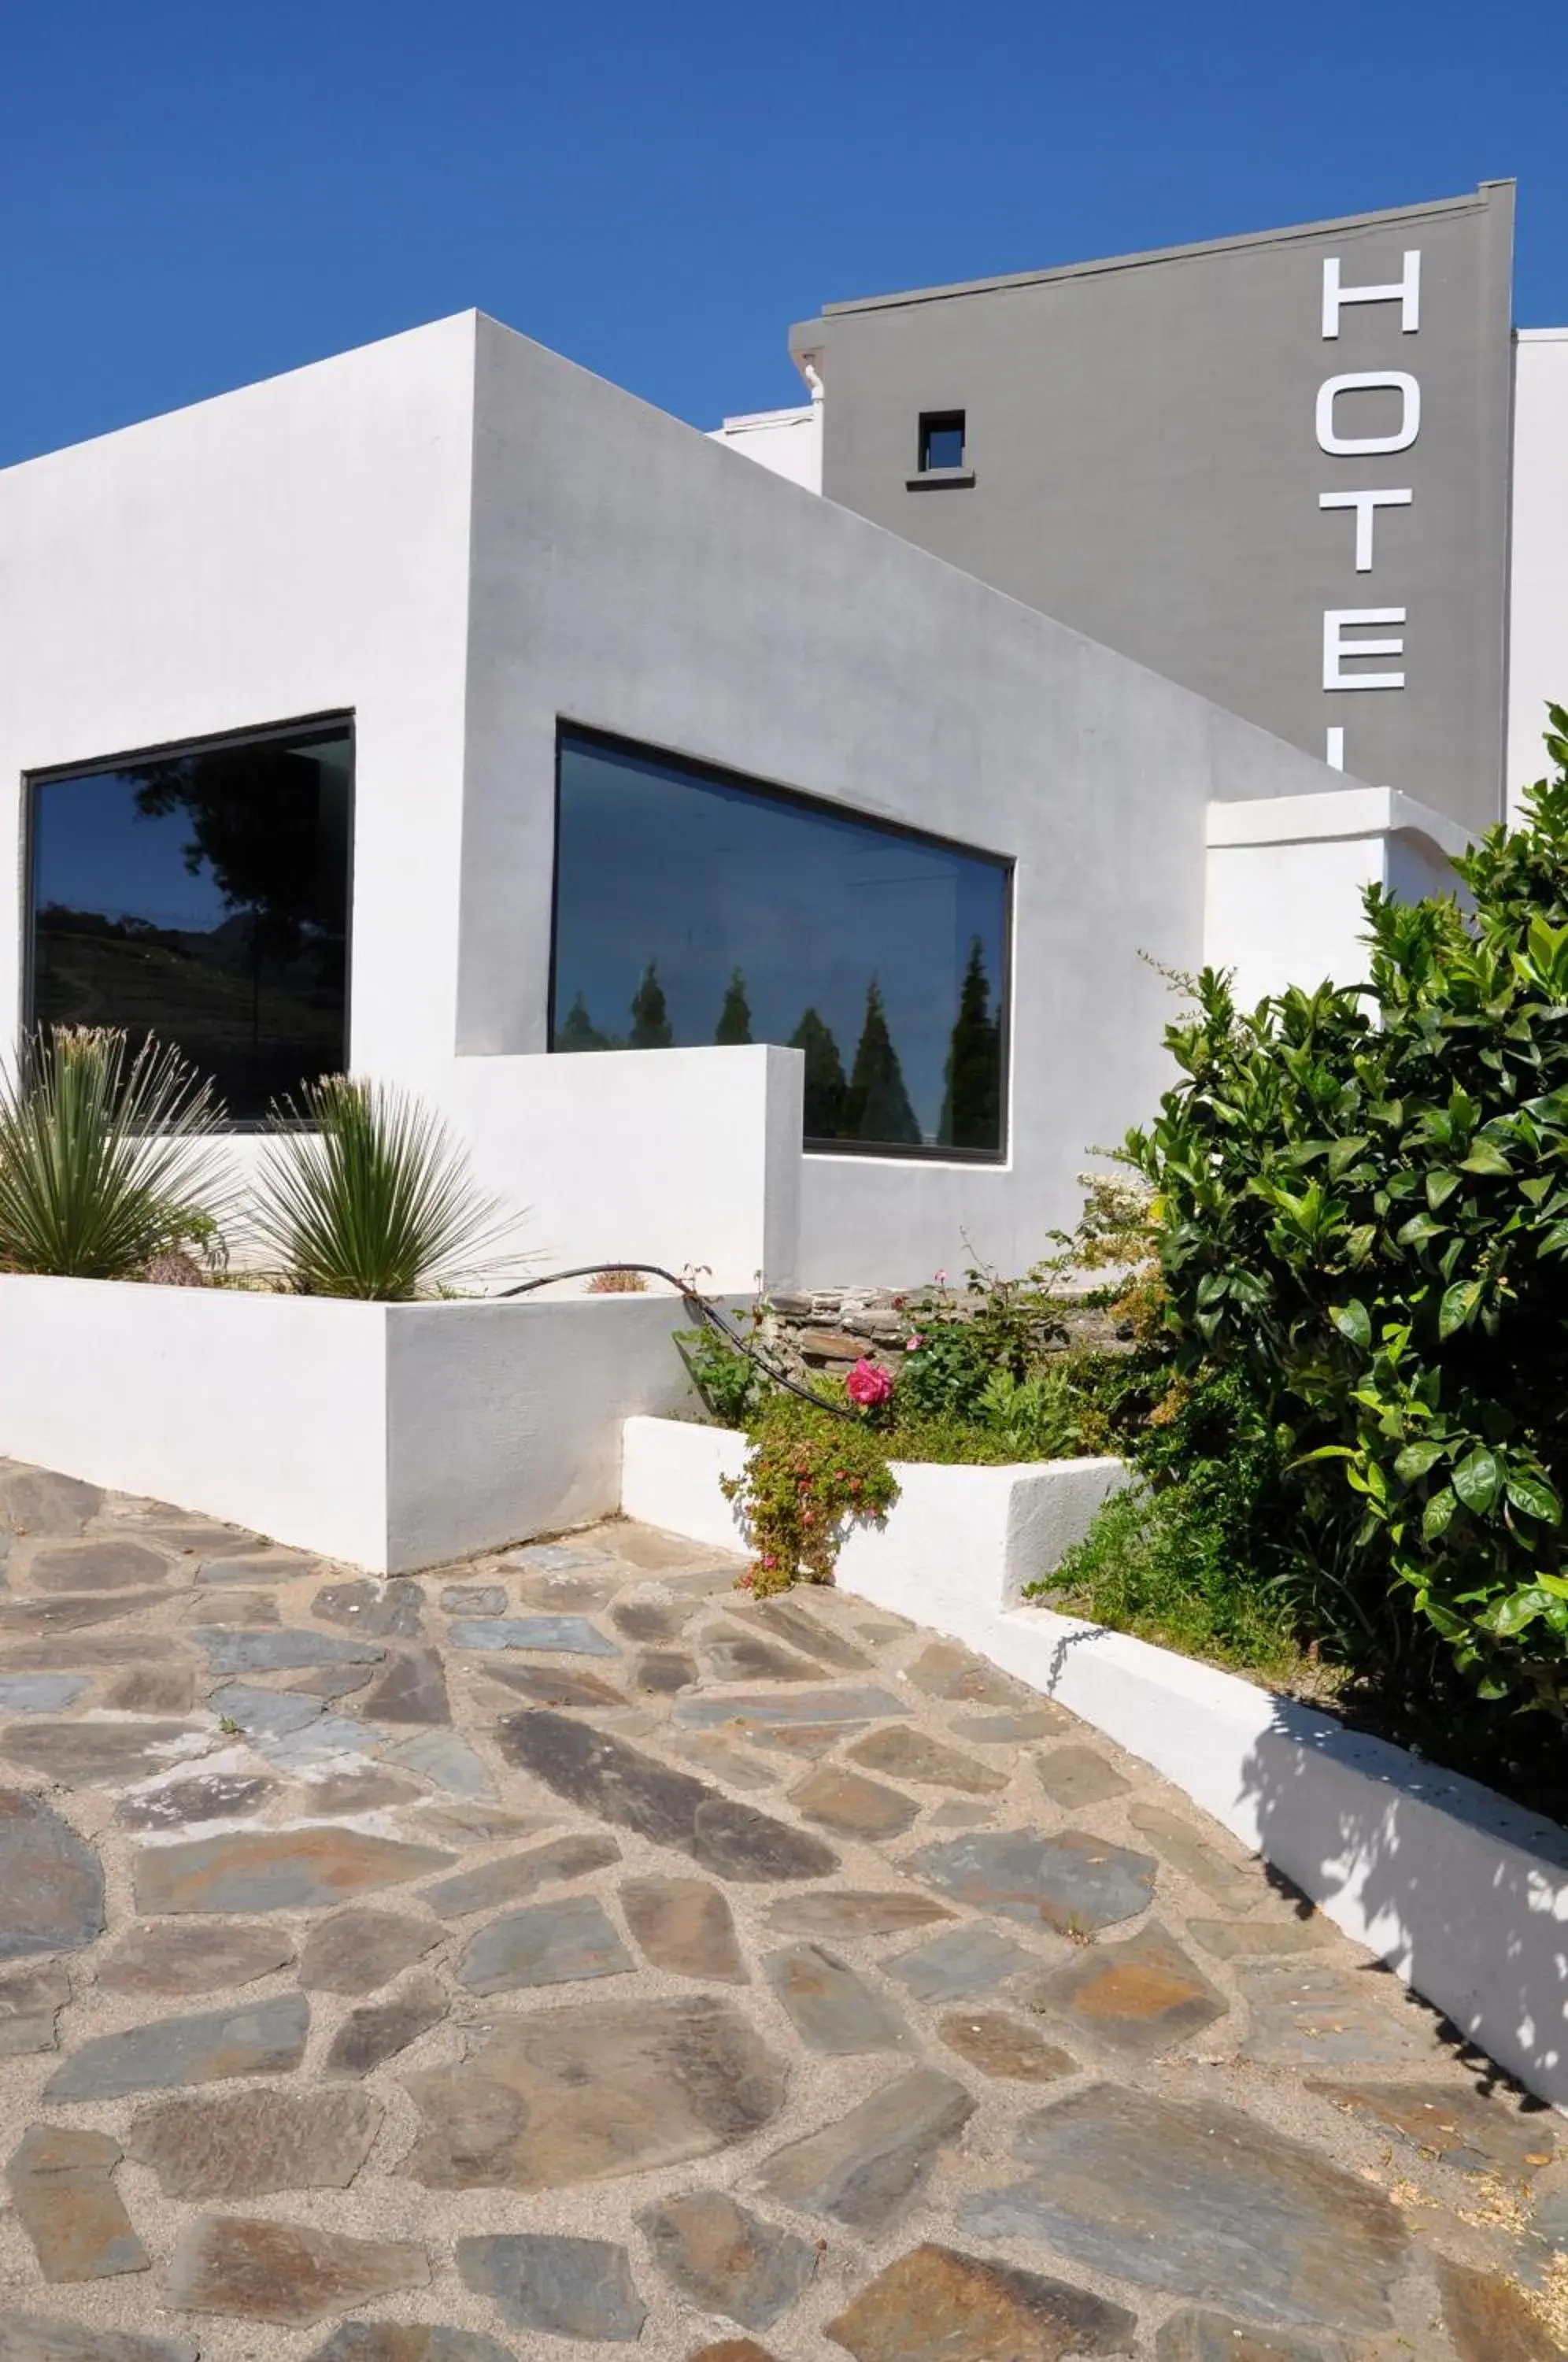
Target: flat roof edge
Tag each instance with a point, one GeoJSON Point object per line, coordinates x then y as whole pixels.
{"type": "Point", "coordinates": [1471, 203]}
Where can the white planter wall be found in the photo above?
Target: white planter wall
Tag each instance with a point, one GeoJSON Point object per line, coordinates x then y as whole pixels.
{"type": "Point", "coordinates": [390, 1436]}
{"type": "Point", "coordinates": [1462, 1894]}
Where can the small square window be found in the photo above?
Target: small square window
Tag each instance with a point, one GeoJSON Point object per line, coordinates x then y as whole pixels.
{"type": "Point", "coordinates": [941, 439]}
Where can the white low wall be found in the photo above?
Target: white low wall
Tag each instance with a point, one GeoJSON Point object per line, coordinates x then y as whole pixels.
{"type": "Point", "coordinates": [673, 1158]}
{"type": "Point", "coordinates": [962, 1529]}
{"type": "Point", "coordinates": [389, 1436]}
{"type": "Point", "coordinates": [1462, 1895]}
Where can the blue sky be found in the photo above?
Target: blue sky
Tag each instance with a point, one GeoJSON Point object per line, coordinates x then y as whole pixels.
{"type": "Point", "coordinates": [192, 197]}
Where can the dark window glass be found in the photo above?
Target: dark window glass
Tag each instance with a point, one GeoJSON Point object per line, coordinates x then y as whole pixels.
{"type": "Point", "coordinates": [201, 895]}
{"type": "Point", "coordinates": [941, 439]}
{"type": "Point", "coordinates": [691, 908]}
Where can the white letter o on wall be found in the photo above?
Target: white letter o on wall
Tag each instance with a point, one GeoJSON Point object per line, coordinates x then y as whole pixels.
{"type": "Point", "coordinates": [1355, 446]}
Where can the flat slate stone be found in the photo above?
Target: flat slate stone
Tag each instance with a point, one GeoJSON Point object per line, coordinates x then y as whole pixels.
{"type": "Point", "coordinates": [474, 1599]}
{"type": "Point", "coordinates": [40, 1693]}
{"type": "Point", "coordinates": [177, 1960]}
{"type": "Point", "coordinates": [737, 1655]}
{"type": "Point", "coordinates": [369, 2037]}
{"type": "Point", "coordinates": [737, 1769]}
{"type": "Point", "coordinates": [412, 1689]}
{"type": "Point", "coordinates": [961, 1962]}
{"type": "Point", "coordinates": [727, 2259]}
{"type": "Point", "coordinates": [906, 1754]}
{"type": "Point", "coordinates": [358, 1950]}
{"type": "Point", "coordinates": [1246, 1940]}
{"type": "Point", "coordinates": [408, 2341]}
{"type": "Point", "coordinates": [275, 1870]}
{"type": "Point", "coordinates": [249, 1607]}
{"type": "Point", "coordinates": [1005, 2049]}
{"type": "Point", "coordinates": [1072, 1882]}
{"type": "Point", "coordinates": [548, 1944]}
{"type": "Point", "coordinates": [210, 1796]}
{"type": "Point", "coordinates": [573, 1636]}
{"type": "Point", "coordinates": [154, 1689]}
{"type": "Point", "coordinates": [831, 2008]}
{"type": "Point", "coordinates": [379, 1611]}
{"type": "Point", "coordinates": [30, 2001]}
{"type": "Point", "coordinates": [1490, 2319]}
{"type": "Point", "coordinates": [263, 1714]}
{"type": "Point", "coordinates": [652, 1617]}
{"type": "Point", "coordinates": [86, 1754]}
{"type": "Point", "coordinates": [1010, 1729]}
{"type": "Point", "coordinates": [446, 1761]}
{"type": "Point", "coordinates": [362, 1790]}
{"type": "Point", "coordinates": [945, 1669]}
{"type": "Point", "coordinates": [37, 1501]}
{"type": "Point", "coordinates": [1304, 2015]}
{"type": "Point", "coordinates": [284, 2273]}
{"type": "Point", "coordinates": [1142, 1995]}
{"type": "Point", "coordinates": [245, 2144]}
{"type": "Point", "coordinates": [263, 2038]}
{"type": "Point", "coordinates": [592, 2090]}
{"type": "Point", "coordinates": [1230, 1883]}
{"type": "Point", "coordinates": [518, 1875]}
{"type": "Point", "coordinates": [285, 1651]}
{"type": "Point", "coordinates": [1478, 2135]}
{"type": "Point", "coordinates": [1188, 2197]}
{"type": "Point", "coordinates": [51, 1883]}
{"type": "Point", "coordinates": [617, 1782]}
{"type": "Point", "coordinates": [568, 2288]}
{"type": "Point", "coordinates": [861, 2168]}
{"type": "Point", "coordinates": [937, 2305]}
{"type": "Point", "coordinates": [684, 1927]}
{"type": "Point", "coordinates": [35, 2337]}
{"type": "Point", "coordinates": [1200, 2337]}
{"type": "Point", "coordinates": [78, 1612]}
{"type": "Point", "coordinates": [807, 1632]}
{"type": "Point", "coordinates": [660, 1672]}
{"type": "Point", "coordinates": [555, 1685]}
{"type": "Point", "coordinates": [851, 1701]}
{"type": "Point", "coordinates": [851, 1806]}
{"type": "Point", "coordinates": [258, 1566]}
{"type": "Point", "coordinates": [68, 1650]}
{"type": "Point", "coordinates": [69, 2207]}
{"type": "Point", "coordinates": [106, 1565]}
{"type": "Point", "coordinates": [553, 1558]}
{"type": "Point", "coordinates": [1074, 1776]}
{"type": "Point", "coordinates": [848, 1912]}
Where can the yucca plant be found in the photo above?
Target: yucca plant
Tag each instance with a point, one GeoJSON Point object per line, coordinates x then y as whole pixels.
{"type": "Point", "coordinates": [364, 1193]}
{"type": "Point", "coordinates": [107, 1156]}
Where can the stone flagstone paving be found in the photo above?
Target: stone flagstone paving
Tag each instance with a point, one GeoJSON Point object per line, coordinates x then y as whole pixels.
{"type": "Point", "coordinates": [562, 1954]}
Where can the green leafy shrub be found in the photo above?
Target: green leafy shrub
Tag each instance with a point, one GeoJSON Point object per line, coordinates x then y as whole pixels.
{"type": "Point", "coordinates": [363, 1193]}
{"type": "Point", "coordinates": [730, 1385]}
{"type": "Point", "coordinates": [808, 1477]}
{"type": "Point", "coordinates": [1363, 1212]}
{"type": "Point", "coordinates": [108, 1158]}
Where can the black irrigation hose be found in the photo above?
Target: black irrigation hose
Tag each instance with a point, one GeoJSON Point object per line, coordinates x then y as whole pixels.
{"type": "Point", "coordinates": [704, 1310]}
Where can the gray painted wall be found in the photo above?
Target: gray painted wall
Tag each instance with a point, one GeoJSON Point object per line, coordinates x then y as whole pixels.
{"type": "Point", "coordinates": [1147, 468]}
{"type": "Point", "coordinates": [634, 576]}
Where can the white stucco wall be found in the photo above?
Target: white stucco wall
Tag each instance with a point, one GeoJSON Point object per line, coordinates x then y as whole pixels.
{"type": "Point", "coordinates": [1285, 880]}
{"type": "Point", "coordinates": [789, 443]}
{"type": "Point", "coordinates": [1538, 625]}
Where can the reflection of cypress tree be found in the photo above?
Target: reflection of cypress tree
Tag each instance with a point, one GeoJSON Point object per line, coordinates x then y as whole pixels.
{"type": "Point", "coordinates": [651, 1028]}
{"type": "Point", "coordinates": [971, 1104]}
{"type": "Point", "coordinates": [825, 1078]}
{"type": "Point", "coordinates": [579, 1031]}
{"type": "Point", "coordinates": [735, 1017]}
{"type": "Point", "coordinates": [877, 1105]}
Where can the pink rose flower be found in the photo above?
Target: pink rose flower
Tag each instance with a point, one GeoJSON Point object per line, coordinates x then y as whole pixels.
{"type": "Point", "coordinates": [868, 1386]}
{"type": "Point", "coordinates": [913, 1344]}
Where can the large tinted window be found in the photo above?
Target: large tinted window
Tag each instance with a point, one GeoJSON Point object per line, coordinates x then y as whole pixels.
{"type": "Point", "coordinates": [692, 908]}
{"type": "Point", "coordinates": [201, 894]}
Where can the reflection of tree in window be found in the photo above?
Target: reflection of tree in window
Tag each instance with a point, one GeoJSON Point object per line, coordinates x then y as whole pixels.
{"type": "Point", "coordinates": [825, 1085]}
{"type": "Point", "coordinates": [971, 1104]}
{"type": "Point", "coordinates": [651, 1028]}
{"type": "Point", "coordinates": [733, 1027]}
{"type": "Point", "coordinates": [876, 1104]}
{"type": "Point", "coordinates": [579, 1031]}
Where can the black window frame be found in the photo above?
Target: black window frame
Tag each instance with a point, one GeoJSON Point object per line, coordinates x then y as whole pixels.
{"type": "Point", "coordinates": [724, 776]}
{"type": "Point", "coordinates": [343, 719]}
{"type": "Point", "coordinates": [943, 421]}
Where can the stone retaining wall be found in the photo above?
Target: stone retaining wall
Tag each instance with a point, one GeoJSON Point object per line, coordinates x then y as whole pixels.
{"type": "Point", "coordinates": [824, 1332]}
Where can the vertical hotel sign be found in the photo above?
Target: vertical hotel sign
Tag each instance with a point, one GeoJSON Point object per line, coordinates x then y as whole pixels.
{"type": "Point", "coordinates": [1346, 629]}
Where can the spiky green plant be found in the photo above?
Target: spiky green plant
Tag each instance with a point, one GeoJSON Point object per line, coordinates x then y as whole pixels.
{"type": "Point", "coordinates": [107, 1156]}
{"type": "Point", "coordinates": [364, 1193]}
